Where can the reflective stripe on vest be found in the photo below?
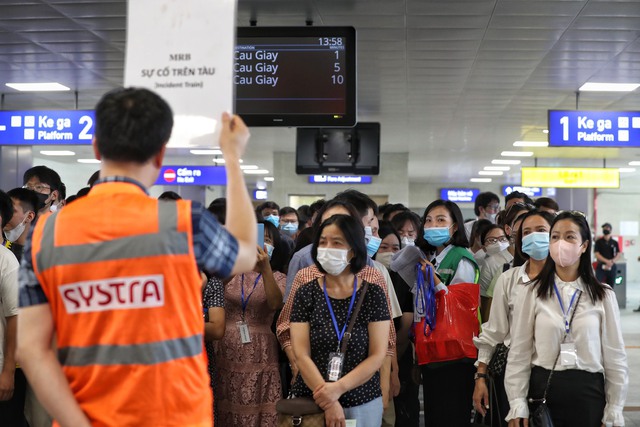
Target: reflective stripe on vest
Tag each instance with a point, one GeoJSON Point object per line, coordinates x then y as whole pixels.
{"type": "Point", "coordinates": [134, 354]}
{"type": "Point", "coordinates": [167, 241]}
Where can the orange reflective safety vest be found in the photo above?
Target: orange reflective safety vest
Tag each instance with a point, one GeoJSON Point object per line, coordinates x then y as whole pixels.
{"type": "Point", "coordinates": [118, 269]}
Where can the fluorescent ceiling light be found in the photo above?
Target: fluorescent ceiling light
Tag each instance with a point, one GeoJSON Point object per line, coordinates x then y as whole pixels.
{"type": "Point", "coordinates": [480, 180]}
{"type": "Point", "coordinates": [545, 130]}
{"type": "Point", "coordinates": [38, 87]}
{"type": "Point", "coordinates": [634, 163]}
{"type": "Point", "coordinates": [626, 170]}
{"type": "Point", "coordinates": [505, 162]}
{"type": "Point", "coordinates": [248, 167]}
{"type": "Point", "coordinates": [531, 144]}
{"type": "Point", "coordinates": [256, 172]}
{"type": "Point", "coordinates": [221, 161]}
{"type": "Point", "coordinates": [206, 152]}
{"type": "Point", "coordinates": [497, 168]}
{"type": "Point", "coordinates": [516, 153]}
{"type": "Point", "coordinates": [491, 173]}
{"type": "Point", "coordinates": [269, 178]}
{"type": "Point", "coordinates": [57, 153]}
{"type": "Point", "coordinates": [609, 87]}
{"type": "Point", "coordinates": [89, 161]}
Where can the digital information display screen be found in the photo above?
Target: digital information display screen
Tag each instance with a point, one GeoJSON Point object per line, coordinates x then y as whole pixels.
{"type": "Point", "coordinates": [298, 76]}
{"type": "Point", "coordinates": [50, 127]}
{"type": "Point", "coordinates": [569, 128]}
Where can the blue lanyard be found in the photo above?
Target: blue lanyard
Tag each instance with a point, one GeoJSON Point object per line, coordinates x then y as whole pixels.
{"type": "Point", "coordinates": [243, 301]}
{"type": "Point", "coordinates": [565, 314]}
{"type": "Point", "coordinates": [426, 298]}
{"type": "Point", "coordinates": [333, 316]}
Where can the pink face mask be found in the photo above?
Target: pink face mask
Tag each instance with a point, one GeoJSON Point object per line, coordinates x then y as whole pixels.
{"type": "Point", "coordinates": [564, 253]}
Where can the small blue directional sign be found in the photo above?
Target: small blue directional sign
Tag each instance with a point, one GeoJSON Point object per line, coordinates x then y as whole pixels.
{"type": "Point", "coordinates": [192, 175]}
{"type": "Point", "coordinates": [529, 191]}
{"type": "Point", "coordinates": [339, 179]}
{"type": "Point", "coordinates": [459, 195]}
{"type": "Point", "coordinates": [569, 128]}
{"type": "Point", "coordinates": [55, 127]}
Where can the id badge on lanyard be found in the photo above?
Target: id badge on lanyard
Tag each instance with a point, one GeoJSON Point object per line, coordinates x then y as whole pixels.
{"type": "Point", "coordinates": [243, 327]}
{"type": "Point", "coordinates": [568, 354]}
{"type": "Point", "coordinates": [336, 359]}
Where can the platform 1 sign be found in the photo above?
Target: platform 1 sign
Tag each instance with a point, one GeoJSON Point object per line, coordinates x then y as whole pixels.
{"type": "Point", "coordinates": [51, 127]}
{"type": "Point", "coordinates": [569, 128]}
{"type": "Point", "coordinates": [192, 175]}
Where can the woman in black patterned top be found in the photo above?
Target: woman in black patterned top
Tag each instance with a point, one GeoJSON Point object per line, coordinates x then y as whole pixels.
{"type": "Point", "coordinates": [213, 308]}
{"type": "Point", "coordinates": [320, 315]}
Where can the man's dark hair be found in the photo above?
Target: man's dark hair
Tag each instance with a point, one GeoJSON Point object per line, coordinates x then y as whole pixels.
{"type": "Point", "coordinates": [132, 125]}
{"type": "Point", "coordinates": [304, 215]}
{"type": "Point", "coordinates": [93, 178]}
{"type": "Point", "coordinates": [83, 191]}
{"type": "Point", "coordinates": [397, 207]}
{"type": "Point", "coordinates": [359, 200]}
{"type": "Point", "coordinates": [332, 204]}
{"type": "Point", "coordinates": [6, 209]}
{"type": "Point", "coordinates": [483, 200]}
{"type": "Point", "coordinates": [169, 195]}
{"type": "Point", "coordinates": [287, 210]}
{"type": "Point", "coordinates": [546, 202]}
{"type": "Point", "coordinates": [518, 195]}
{"type": "Point", "coordinates": [219, 209]}
{"type": "Point", "coordinates": [316, 206]}
{"type": "Point", "coordinates": [266, 205]}
{"type": "Point", "coordinates": [459, 237]}
{"type": "Point", "coordinates": [354, 235]}
{"type": "Point", "coordinates": [45, 175]}
{"type": "Point", "coordinates": [28, 199]}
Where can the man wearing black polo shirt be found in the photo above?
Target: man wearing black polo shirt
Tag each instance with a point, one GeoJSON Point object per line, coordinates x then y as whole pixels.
{"type": "Point", "coordinates": [607, 253]}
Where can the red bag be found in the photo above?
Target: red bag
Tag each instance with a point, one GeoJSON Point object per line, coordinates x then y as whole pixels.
{"type": "Point", "coordinates": [456, 325]}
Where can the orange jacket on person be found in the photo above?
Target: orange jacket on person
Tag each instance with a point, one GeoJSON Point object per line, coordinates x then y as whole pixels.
{"type": "Point", "coordinates": [125, 295]}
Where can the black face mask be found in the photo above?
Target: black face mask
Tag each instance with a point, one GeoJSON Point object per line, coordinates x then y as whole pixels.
{"type": "Point", "coordinates": [42, 200]}
{"type": "Point", "coordinates": [606, 231]}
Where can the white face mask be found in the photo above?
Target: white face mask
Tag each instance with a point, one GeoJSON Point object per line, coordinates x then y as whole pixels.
{"type": "Point", "coordinates": [13, 235]}
{"type": "Point", "coordinates": [333, 260]}
{"type": "Point", "coordinates": [384, 258]}
{"type": "Point", "coordinates": [491, 217]}
{"type": "Point", "coordinates": [496, 247]}
{"type": "Point", "coordinates": [407, 241]}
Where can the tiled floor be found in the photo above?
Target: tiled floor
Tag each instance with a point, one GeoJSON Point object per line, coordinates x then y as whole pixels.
{"type": "Point", "coordinates": [631, 331]}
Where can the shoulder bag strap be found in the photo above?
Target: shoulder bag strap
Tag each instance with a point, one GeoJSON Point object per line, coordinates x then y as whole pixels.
{"type": "Point", "coordinates": [544, 397]}
{"type": "Point", "coordinates": [352, 321]}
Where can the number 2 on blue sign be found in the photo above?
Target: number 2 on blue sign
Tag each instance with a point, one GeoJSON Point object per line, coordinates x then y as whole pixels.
{"type": "Point", "coordinates": [88, 122]}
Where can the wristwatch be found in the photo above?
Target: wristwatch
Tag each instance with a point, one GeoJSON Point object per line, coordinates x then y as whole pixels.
{"type": "Point", "coordinates": [479, 375]}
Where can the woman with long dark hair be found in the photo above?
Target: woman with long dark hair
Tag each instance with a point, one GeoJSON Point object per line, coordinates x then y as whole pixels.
{"type": "Point", "coordinates": [532, 248]}
{"type": "Point", "coordinates": [567, 324]}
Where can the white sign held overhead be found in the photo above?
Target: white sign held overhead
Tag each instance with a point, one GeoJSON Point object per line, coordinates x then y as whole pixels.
{"type": "Point", "coordinates": [183, 50]}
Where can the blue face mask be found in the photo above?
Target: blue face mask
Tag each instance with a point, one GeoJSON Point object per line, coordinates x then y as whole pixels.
{"type": "Point", "coordinates": [372, 245]}
{"type": "Point", "coordinates": [289, 228]}
{"type": "Point", "coordinates": [536, 245]}
{"type": "Point", "coordinates": [269, 248]}
{"type": "Point", "coordinates": [273, 219]}
{"type": "Point", "coordinates": [436, 236]}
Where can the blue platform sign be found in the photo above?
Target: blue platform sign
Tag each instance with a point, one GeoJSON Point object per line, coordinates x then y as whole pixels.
{"type": "Point", "coordinates": [459, 195]}
{"type": "Point", "coordinates": [569, 128]}
{"type": "Point", "coordinates": [192, 175]}
{"type": "Point", "coordinates": [51, 127]}
{"type": "Point", "coordinates": [339, 179]}
{"type": "Point", "coordinates": [529, 191]}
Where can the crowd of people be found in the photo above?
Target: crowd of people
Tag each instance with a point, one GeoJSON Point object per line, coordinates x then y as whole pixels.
{"type": "Point", "coordinates": [104, 296]}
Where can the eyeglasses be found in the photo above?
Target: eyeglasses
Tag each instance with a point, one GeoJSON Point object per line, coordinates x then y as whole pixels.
{"type": "Point", "coordinates": [493, 240]}
{"type": "Point", "coordinates": [38, 188]}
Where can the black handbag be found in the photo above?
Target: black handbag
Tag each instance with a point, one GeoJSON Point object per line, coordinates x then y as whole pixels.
{"type": "Point", "coordinates": [498, 362]}
{"type": "Point", "coordinates": [539, 414]}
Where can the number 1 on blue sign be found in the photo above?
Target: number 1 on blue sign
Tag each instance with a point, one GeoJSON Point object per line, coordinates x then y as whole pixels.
{"type": "Point", "coordinates": [564, 121]}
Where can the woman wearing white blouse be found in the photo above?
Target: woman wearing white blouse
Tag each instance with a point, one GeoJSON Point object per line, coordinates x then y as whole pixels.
{"type": "Point", "coordinates": [590, 379]}
{"type": "Point", "coordinates": [531, 250]}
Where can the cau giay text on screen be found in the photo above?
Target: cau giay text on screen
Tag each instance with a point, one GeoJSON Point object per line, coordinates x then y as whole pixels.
{"type": "Point", "coordinates": [594, 128]}
{"type": "Point", "coordinates": [46, 127]}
